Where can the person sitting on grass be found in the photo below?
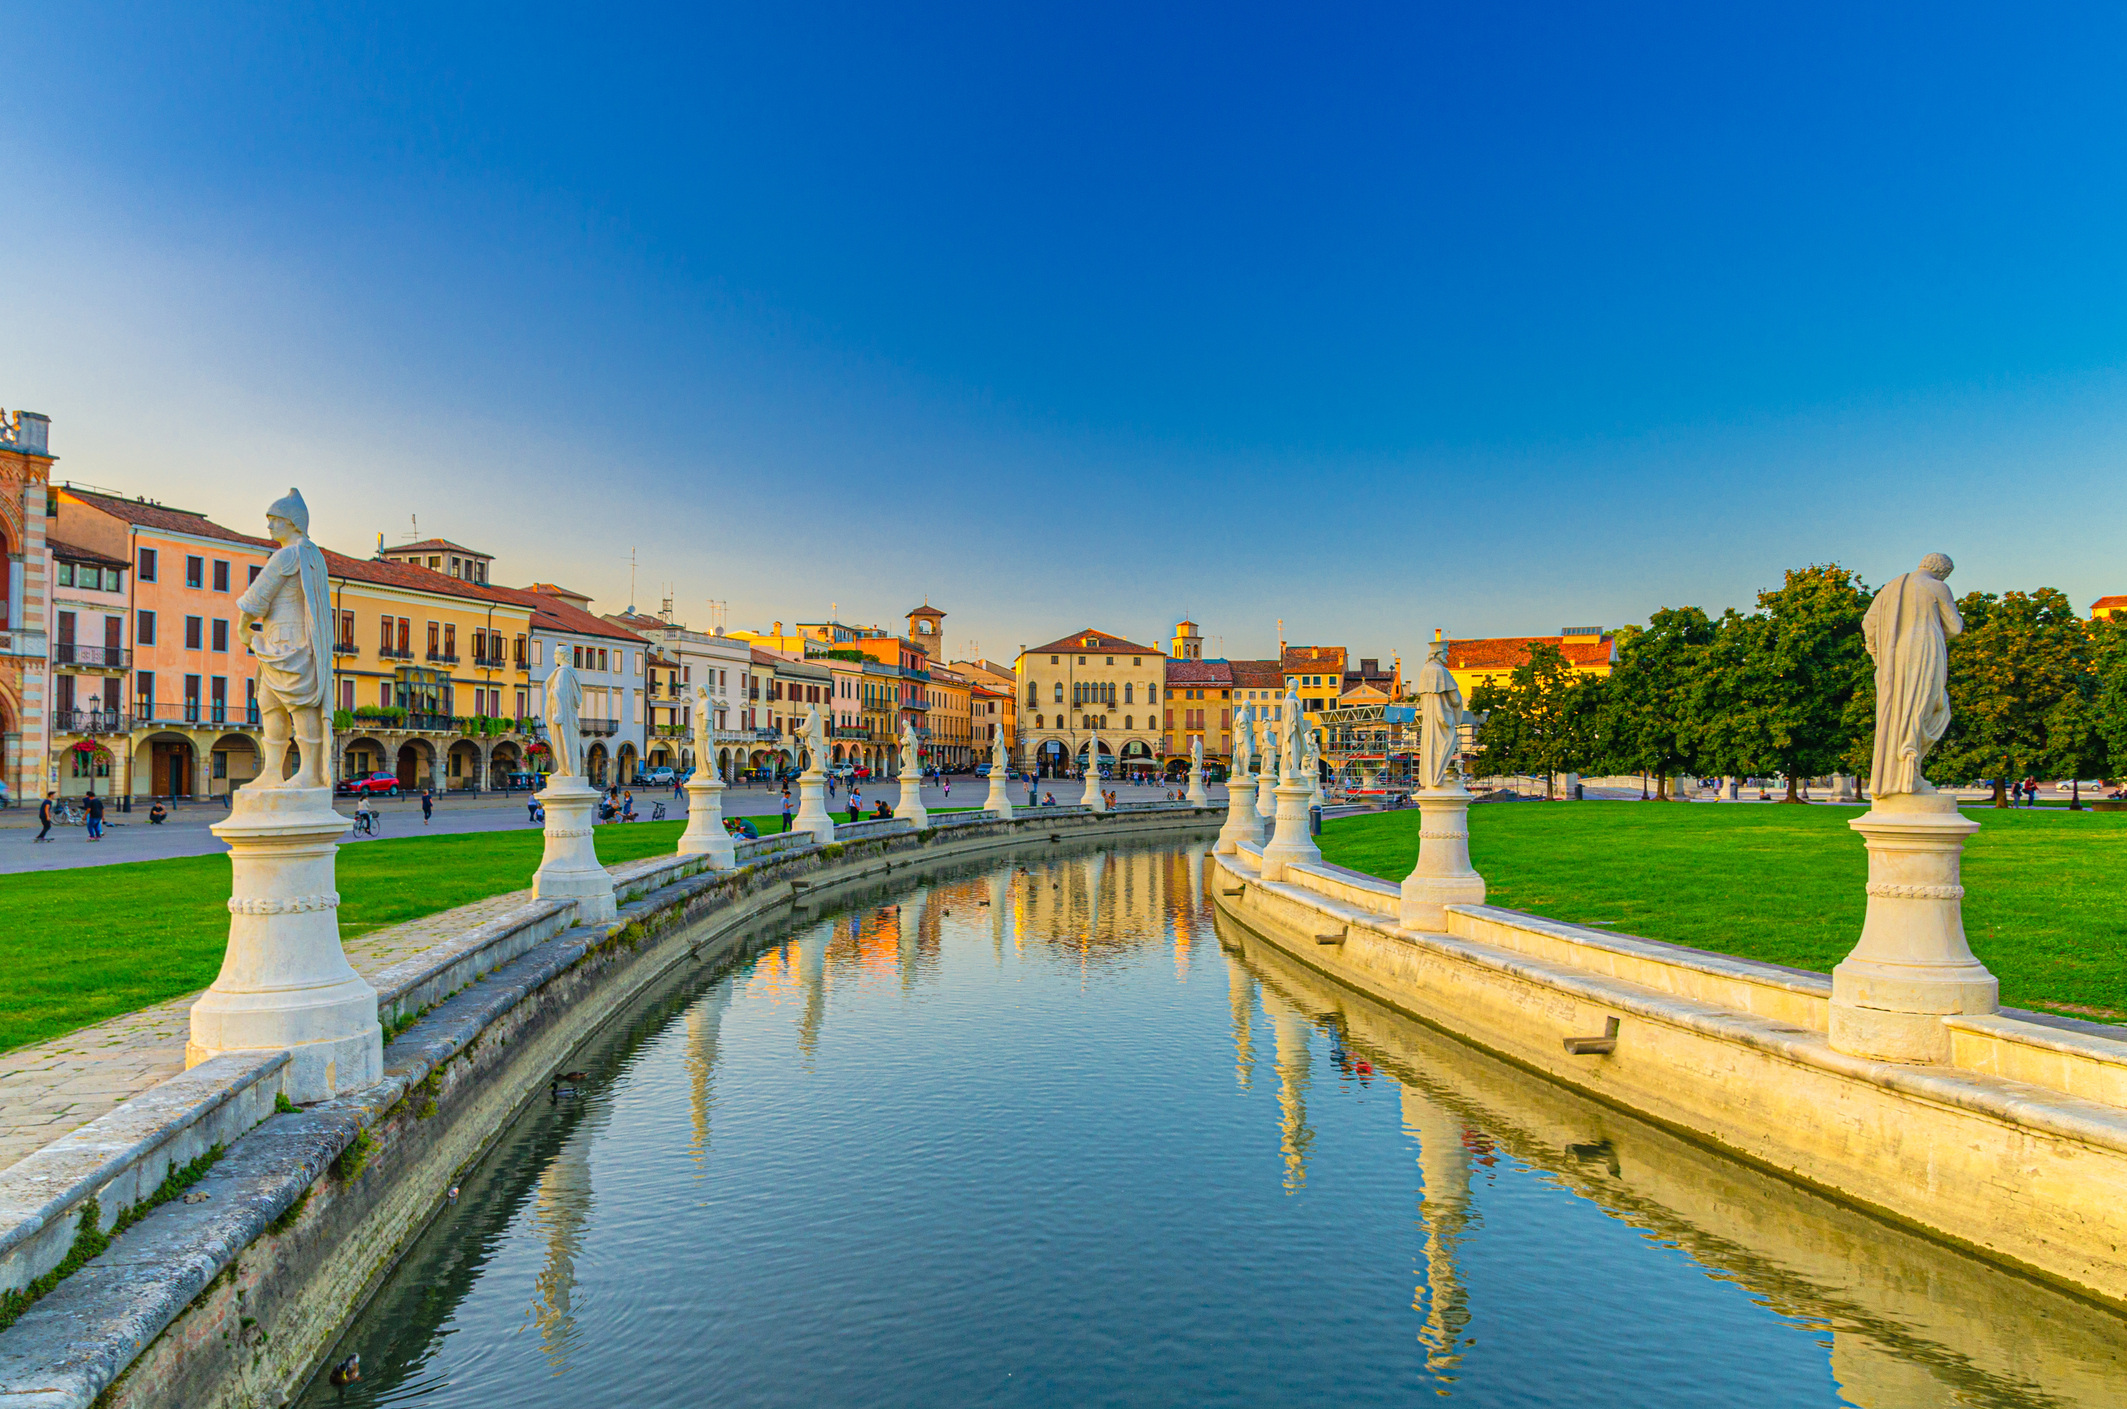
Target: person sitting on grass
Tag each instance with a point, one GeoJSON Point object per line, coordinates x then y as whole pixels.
{"type": "Point", "coordinates": [741, 827]}
{"type": "Point", "coordinates": [883, 811]}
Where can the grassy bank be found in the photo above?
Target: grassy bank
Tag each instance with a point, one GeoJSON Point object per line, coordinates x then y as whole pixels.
{"type": "Point", "coordinates": [2045, 889]}
{"type": "Point", "coordinates": [83, 945]}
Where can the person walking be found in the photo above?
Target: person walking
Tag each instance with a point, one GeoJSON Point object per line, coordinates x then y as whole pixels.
{"type": "Point", "coordinates": [947, 784]}
{"type": "Point", "coordinates": [94, 806]}
{"type": "Point", "coordinates": [428, 804]}
{"type": "Point", "coordinates": [786, 811]}
{"type": "Point", "coordinates": [44, 819]}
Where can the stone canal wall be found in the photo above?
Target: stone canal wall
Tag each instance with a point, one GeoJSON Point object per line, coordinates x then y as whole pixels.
{"type": "Point", "coordinates": [2016, 1149]}
{"type": "Point", "coordinates": [229, 1294]}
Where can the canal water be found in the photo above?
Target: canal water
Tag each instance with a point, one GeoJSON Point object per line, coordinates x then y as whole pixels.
{"type": "Point", "coordinates": [1044, 1132]}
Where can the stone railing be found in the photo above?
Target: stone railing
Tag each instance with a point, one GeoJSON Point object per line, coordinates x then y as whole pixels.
{"type": "Point", "coordinates": [871, 827]}
{"type": "Point", "coordinates": [119, 1159]}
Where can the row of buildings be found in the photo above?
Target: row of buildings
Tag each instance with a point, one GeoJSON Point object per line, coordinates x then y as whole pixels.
{"type": "Point", "coordinates": [121, 670]}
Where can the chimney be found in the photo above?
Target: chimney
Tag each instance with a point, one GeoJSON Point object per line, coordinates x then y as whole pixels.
{"type": "Point", "coordinates": [1370, 666]}
{"type": "Point", "coordinates": [779, 631]}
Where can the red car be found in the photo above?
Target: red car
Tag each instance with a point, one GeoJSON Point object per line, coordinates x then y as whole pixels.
{"type": "Point", "coordinates": [370, 785]}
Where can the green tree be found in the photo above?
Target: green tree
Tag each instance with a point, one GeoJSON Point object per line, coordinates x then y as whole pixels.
{"type": "Point", "coordinates": [1650, 723]}
{"type": "Point", "coordinates": [1543, 721]}
{"type": "Point", "coordinates": [2109, 642]}
{"type": "Point", "coordinates": [1778, 685]}
{"type": "Point", "coordinates": [2025, 692]}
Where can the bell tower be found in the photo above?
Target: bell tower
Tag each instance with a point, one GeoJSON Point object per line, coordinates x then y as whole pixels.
{"type": "Point", "coordinates": [926, 627]}
{"type": "Point", "coordinates": [1188, 643]}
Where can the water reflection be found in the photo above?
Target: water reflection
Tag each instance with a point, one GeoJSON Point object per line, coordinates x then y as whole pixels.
{"type": "Point", "coordinates": [978, 1138]}
{"type": "Point", "coordinates": [1910, 1322]}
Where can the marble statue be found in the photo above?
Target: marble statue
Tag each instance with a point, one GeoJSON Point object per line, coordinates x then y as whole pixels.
{"type": "Point", "coordinates": [1196, 754]}
{"type": "Point", "coordinates": [1440, 719]}
{"type": "Point", "coordinates": [564, 718]}
{"type": "Point", "coordinates": [1244, 740]}
{"type": "Point", "coordinates": [816, 739]}
{"type": "Point", "coordinates": [704, 731]}
{"type": "Point", "coordinates": [911, 752]}
{"type": "Point", "coordinates": [1000, 756]}
{"type": "Point", "coordinates": [289, 608]}
{"type": "Point", "coordinates": [1907, 630]}
{"type": "Point", "coordinates": [1293, 752]}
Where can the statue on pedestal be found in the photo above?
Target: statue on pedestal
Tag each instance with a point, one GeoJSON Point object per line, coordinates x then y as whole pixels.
{"type": "Point", "coordinates": [1907, 629]}
{"type": "Point", "coordinates": [564, 718]}
{"type": "Point", "coordinates": [1196, 754]}
{"type": "Point", "coordinates": [1440, 718]}
{"type": "Point", "coordinates": [1000, 756]}
{"type": "Point", "coordinates": [911, 752]}
{"type": "Point", "coordinates": [1244, 740]}
{"type": "Point", "coordinates": [289, 607]}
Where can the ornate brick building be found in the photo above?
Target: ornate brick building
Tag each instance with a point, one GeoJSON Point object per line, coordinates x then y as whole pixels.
{"type": "Point", "coordinates": [25, 700]}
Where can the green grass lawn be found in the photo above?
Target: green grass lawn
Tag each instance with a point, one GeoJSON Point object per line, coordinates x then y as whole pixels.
{"type": "Point", "coordinates": [83, 945]}
{"type": "Point", "coordinates": [2045, 889]}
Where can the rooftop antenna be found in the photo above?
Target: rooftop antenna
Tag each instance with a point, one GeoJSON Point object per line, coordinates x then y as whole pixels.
{"type": "Point", "coordinates": [717, 611]}
{"type": "Point", "coordinates": [666, 610]}
{"type": "Point", "coordinates": [631, 582]}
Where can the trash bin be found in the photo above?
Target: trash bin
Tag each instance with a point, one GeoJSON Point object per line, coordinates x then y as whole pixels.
{"type": "Point", "coordinates": [1314, 821]}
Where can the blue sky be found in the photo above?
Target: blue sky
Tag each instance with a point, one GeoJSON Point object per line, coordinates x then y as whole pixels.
{"type": "Point", "coordinates": [1370, 318]}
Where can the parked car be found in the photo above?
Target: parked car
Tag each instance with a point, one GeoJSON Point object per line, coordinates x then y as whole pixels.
{"type": "Point", "coordinates": [370, 785]}
{"type": "Point", "coordinates": [982, 770]}
{"type": "Point", "coordinates": [658, 777]}
{"type": "Point", "coordinates": [842, 770]}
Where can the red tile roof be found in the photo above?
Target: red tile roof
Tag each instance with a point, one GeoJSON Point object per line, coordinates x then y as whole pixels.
{"type": "Point", "coordinates": [413, 579]}
{"type": "Point", "coordinates": [1194, 673]}
{"type": "Point", "coordinates": [436, 545]}
{"type": "Point", "coordinates": [145, 515]}
{"type": "Point", "coordinates": [2114, 603]}
{"type": "Point", "coordinates": [1307, 658]}
{"type": "Point", "coordinates": [551, 613]}
{"type": "Point", "coordinates": [1099, 641]}
{"type": "Point", "coordinates": [81, 555]}
{"type": "Point", "coordinates": [1507, 652]}
{"type": "Point", "coordinates": [1257, 675]}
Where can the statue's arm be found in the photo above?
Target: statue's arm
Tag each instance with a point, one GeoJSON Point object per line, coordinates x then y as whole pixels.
{"type": "Point", "coordinates": [1953, 622]}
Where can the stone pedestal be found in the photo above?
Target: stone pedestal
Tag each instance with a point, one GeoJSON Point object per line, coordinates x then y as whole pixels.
{"type": "Point", "coordinates": [1912, 965]}
{"type": "Point", "coordinates": [1242, 824]}
{"type": "Point", "coordinates": [1000, 799]}
{"type": "Point", "coordinates": [569, 870]}
{"type": "Point", "coordinates": [705, 834]}
{"type": "Point", "coordinates": [812, 806]}
{"type": "Point", "coordinates": [1092, 795]}
{"type": "Point", "coordinates": [285, 985]}
{"type": "Point", "coordinates": [1199, 795]}
{"type": "Point", "coordinates": [1290, 841]}
{"type": "Point", "coordinates": [911, 804]}
{"type": "Point", "coordinates": [1443, 875]}
{"type": "Point", "coordinates": [1843, 789]}
{"type": "Point", "coordinates": [1266, 788]}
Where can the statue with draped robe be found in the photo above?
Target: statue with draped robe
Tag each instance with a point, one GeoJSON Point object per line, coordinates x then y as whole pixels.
{"type": "Point", "coordinates": [1907, 630]}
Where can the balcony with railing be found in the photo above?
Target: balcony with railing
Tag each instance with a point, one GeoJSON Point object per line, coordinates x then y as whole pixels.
{"type": "Point", "coordinates": [597, 727]}
{"type": "Point", "coordinates": [90, 721]}
{"type": "Point", "coordinates": [75, 655]}
{"type": "Point", "coordinates": [444, 657]}
{"type": "Point", "coordinates": [195, 714]}
{"type": "Point", "coordinates": [394, 653]}
{"type": "Point", "coordinates": [347, 648]}
{"type": "Point", "coordinates": [671, 731]}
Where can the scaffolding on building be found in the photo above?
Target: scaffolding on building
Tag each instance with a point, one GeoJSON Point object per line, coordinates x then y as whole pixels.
{"type": "Point", "coordinates": [1372, 749]}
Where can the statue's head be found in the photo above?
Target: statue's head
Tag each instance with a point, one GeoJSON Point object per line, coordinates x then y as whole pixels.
{"type": "Point", "coordinates": [288, 517]}
{"type": "Point", "coordinates": [1937, 565]}
{"type": "Point", "coordinates": [1438, 650]}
